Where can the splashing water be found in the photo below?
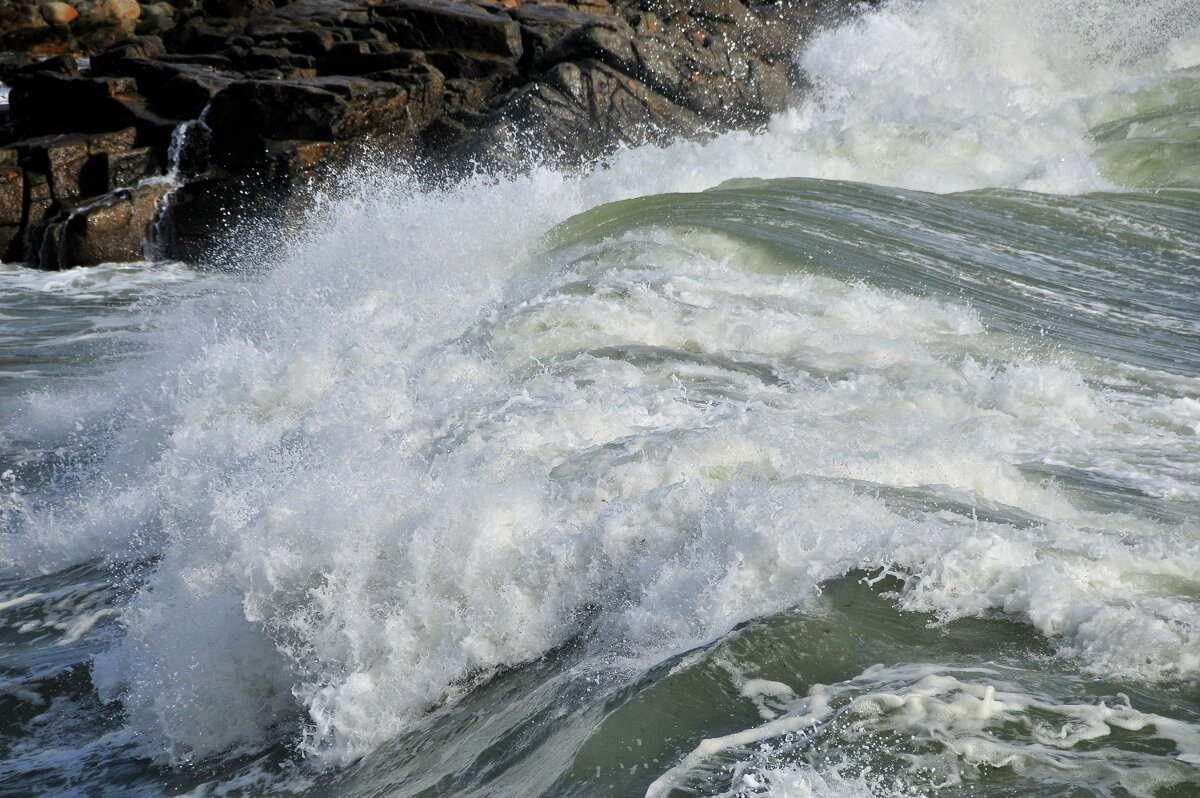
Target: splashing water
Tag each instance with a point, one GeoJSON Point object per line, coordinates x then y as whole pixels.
{"type": "Point", "coordinates": [444, 501]}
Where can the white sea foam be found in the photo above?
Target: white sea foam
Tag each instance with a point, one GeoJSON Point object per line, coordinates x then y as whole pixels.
{"type": "Point", "coordinates": [914, 729]}
{"type": "Point", "coordinates": [417, 451]}
{"type": "Point", "coordinates": [407, 508]}
{"type": "Point", "coordinates": [105, 280]}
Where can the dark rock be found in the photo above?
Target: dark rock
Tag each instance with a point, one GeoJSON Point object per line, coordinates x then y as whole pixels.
{"type": "Point", "coordinates": [577, 111]}
{"type": "Point", "coordinates": [275, 58]}
{"type": "Point", "coordinates": [610, 41]}
{"type": "Point", "coordinates": [12, 194]}
{"type": "Point", "coordinates": [314, 41]}
{"type": "Point", "coordinates": [543, 27]}
{"type": "Point", "coordinates": [190, 146]}
{"type": "Point", "coordinates": [247, 114]}
{"type": "Point", "coordinates": [356, 58]}
{"type": "Point", "coordinates": [446, 25]}
{"type": "Point", "coordinates": [44, 178]}
{"type": "Point", "coordinates": [73, 171]}
{"type": "Point", "coordinates": [12, 63]}
{"type": "Point", "coordinates": [214, 61]}
{"type": "Point", "coordinates": [10, 243]}
{"type": "Point", "coordinates": [62, 64]}
{"type": "Point", "coordinates": [111, 228]}
{"type": "Point", "coordinates": [474, 67]}
{"type": "Point", "coordinates": [39, 201]}
{"type": "Point", "coordinates": [131, 167]}
{"type": "Point", "coordinates": [66, 161]}
{"type": "Point", "coordinates": [237, 8]}
{"type": "Point", "coordinates": [339, 55]}
{"type": "Point", "coordinates": [39, 198]}
{"type": "Point", "coordinates": [200, 35]}
{"type": "Point", "coordinates": [156, 18]}
{"type": "Point", "coordinates": [425, 87]}
{"type": "Point", "coordinates": [248, 101]}
{"type": "Point", "coordinates": [137, 47]}
{"type": "Point", "coordinates": [174, 90]}
{"type": "Point", "coordinates": [45, 102]}
{"type": "Point", "coordinates": [20, 25]}
{"type": "Point", "coordinates": [205, 212]}
{"type": "Point", "coordinates": [77, 165]}
{"type": "Point", "coordinates": [117, 140]}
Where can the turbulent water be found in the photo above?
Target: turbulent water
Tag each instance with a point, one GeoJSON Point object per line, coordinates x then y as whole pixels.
{"type": "Point", "coordinates": [859, 456]}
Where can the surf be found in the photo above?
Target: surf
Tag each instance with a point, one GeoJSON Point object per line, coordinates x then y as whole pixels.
{"type": "Point", "coordinates": [536, 449]}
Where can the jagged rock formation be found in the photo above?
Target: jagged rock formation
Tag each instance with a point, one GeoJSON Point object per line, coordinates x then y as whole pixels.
{"type": "Point", "coordinates": [226, 107]}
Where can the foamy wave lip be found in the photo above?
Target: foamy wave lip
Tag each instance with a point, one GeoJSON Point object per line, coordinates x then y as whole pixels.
{"type": "Point", "coordinates": [94, 281]}
{"type": "Point", "coordinates": [805, 782]}
{"type": "Point", "coordinates": [1084, 590]}
{"type": "Point", "coordinates": [392, 521]}
{"type": "Point", "coordinates": [938, 727]}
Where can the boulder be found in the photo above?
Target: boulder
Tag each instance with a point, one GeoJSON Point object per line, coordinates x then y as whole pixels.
{"type": "Point", "coordinates": [62, 64]}
{"type": "Point", "coordinates": [66, 160]}
{"type": "Point", "coordinates": [237, 8]}
{"type": "Point", "coordinates": [610, 41]}
{"type": "Point", "coordinates": [134, 48]}
{"type": "Point", "coordinates": [543, 27]}
{"type": "Point", "coordinates": [249, 113]}
{"type": "Point", "coordinates": [44, 102]}
{"type": "Point", "coordinates": [178, 91]}
{"type": "Point", "coordinates": [111, 228]}
{"type": "Point", "coordinates": [130, 167]}
{"type": "Point", "coordinates": [20, 23]}
{"type": "Point", "coordinates": [156, 18]}
{"type": "Point", "coordinates": [578, 110]}
{"type": "Point", "coordinates": [357, 58]}
{"type": "Point", "coordinates": [56, 13]}
{"type": "Point", "coordinates": [203, 212]}
{"type": "Point", "coordinates": [12, 205]}
{"type": "Point", "coordinates": [313, 14]}
{"type": "Point", "coordinates": [12, 188]}
{"type": "Point", "coordinates": [119, 12]}
{"type": "Point", "coordinates": [200, 35]}
{"type": "Point", "coordinates": [450, 26]}
{"type": "Point", "coordinates": [40, 177]}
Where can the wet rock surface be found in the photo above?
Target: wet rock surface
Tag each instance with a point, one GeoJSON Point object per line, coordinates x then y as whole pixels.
{"type": "Point", "coordinates": [211, 110]}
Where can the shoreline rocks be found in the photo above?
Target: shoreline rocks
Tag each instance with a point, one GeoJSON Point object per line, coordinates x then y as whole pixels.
{"type": "Point", "coordinates": [193, 106]}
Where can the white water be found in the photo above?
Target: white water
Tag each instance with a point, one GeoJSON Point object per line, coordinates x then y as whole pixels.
{"type": "Point", "coordinates": [964, 720]}
{"type": "Point", "coordinates": [385, 468]}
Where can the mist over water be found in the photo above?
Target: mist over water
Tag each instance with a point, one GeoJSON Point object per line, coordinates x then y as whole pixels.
{"type": "Point", "coordinates": [744, 467]}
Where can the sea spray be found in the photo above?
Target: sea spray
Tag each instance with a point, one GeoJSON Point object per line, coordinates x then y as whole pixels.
{"type": "Point", "coordinates": [426, 445]}
{"type": "Point", "coordinates": [642, 429]}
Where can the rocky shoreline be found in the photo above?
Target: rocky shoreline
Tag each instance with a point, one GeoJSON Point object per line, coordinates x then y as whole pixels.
{"type": "Point", "coordinates": [149, 129]}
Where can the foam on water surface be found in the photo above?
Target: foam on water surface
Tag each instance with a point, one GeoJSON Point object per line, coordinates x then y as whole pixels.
{"type": "Point", "coordinates": [921, 729]}
{"type": "Point", "coordinates": [672, 439]}
{"type": "Point", "coordinates": [432, 444]}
